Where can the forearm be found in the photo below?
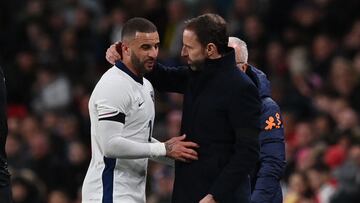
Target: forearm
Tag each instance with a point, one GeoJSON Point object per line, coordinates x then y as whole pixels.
{"type": "Point", "coordinates": [272, 154]}
{"type": "Point", "coordinates": [116, 146]}
{"type": "Point", "coordinates": [168, 79]}
{"type": "Point", "coordinates": [127, 149]}
{"type": "Point", "coordinates": [265, 190]}
{"type": "Point", "coordinates": [272, 159]}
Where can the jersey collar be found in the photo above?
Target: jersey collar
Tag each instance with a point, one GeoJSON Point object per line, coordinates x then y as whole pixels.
{"type": "Point", "coordinates": [120, 65]}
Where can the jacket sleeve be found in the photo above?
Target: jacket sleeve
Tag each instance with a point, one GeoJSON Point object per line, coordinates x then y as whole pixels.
{"type": "Point", "coordinates": [243, 113]}
{"type": "Point", "coordinates": [272, 154]}
{"type": "Point", "coordinates": [169, 79]}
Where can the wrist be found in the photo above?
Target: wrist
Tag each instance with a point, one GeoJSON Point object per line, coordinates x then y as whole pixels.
{"type": "Point", "coordinates": [157, 149]}
{"type": "Point", "coordinates": [167, 148]}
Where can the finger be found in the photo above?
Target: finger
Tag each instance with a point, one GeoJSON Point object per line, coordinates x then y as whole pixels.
{"type": "Point", "coordinates": [190, 144]}
{"type": "Point", "coordinates": [190, 156]}
{"type": "Point", "coordinates": [190, 151]}
{"type": "Point", "coordinates": [113, 52]}
{"type": "Point", "coordinates": [179, 138]}
{"type": "Point", "coordinates": [111, 60]}
{"type": "Point", "coordinates": [182, 137]}
{"type": "Point", "coordinates": [182, 159]}
{"type": "Point", "coordinates": [107, 55]}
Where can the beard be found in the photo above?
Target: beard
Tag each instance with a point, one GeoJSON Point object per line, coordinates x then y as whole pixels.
{"type": "Point", "coordinates": [197, 65]}
{"type": "Point", "coordinates": [140, 65]}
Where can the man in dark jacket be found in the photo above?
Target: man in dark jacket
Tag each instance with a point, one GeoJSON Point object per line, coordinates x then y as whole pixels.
{"type": "Point", "coordinates": [221, 113]}
{"type": "Point", "coordinates": [5, 196]}
{"type": "Point", "coordinates": [265, 181]}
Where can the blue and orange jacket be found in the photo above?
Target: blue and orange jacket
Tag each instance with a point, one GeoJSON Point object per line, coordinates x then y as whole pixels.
{"type": "Point", "coordinates": [265, 180]}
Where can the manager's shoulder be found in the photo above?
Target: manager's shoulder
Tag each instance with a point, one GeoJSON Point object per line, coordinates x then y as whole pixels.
{"type": "Point", "coordinates": [239, 79]}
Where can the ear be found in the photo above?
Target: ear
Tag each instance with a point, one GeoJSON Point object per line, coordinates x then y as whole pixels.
{"type": "Point", "coordinates": [125, 49]}
{"type": "Point", "coordinates": [244, 67]}
{"type": "Point", "coordinates": [211, 49]}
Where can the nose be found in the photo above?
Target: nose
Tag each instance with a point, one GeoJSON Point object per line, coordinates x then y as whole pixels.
{"type": "Point", "coordinates": [153, 53]}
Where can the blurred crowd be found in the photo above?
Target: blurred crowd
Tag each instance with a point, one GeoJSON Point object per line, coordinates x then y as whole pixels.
{"type": "Point", "coordinates": [53, 53]}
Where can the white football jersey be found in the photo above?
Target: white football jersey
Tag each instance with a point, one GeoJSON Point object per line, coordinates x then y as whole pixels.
{"type": "Point", "coordinates": [122, 114]}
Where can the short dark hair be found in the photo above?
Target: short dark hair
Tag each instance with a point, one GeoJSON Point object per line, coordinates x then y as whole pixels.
{"type": "Point", "coordinates": [210, 28]}
{"type": "Point", "coordinates": [137, 25]}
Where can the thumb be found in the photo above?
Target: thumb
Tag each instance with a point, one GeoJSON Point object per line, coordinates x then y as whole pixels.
{"type": "Point", "coordinates": [182, 137]}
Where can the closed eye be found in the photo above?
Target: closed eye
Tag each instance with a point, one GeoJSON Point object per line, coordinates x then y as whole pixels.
{"type": "Point", "coordinates": [149, 46]}
{"type": "Point", "coordinates": [146, 46]}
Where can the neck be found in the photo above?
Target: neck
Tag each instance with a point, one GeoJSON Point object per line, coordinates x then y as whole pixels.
{"type": "Point", "coordinates": [132, 68]}
{"type": "Point", "coordinates": [215, 56]}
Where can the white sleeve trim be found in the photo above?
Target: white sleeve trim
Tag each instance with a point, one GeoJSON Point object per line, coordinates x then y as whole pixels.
{"type": "Point", "coordinates": [157, 149]}
{"type": "Point", "coordinates": [162, 159]}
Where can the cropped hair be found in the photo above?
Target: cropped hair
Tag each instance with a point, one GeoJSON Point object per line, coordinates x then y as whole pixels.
{"type": "Point", "coordinates": [210, 28]}
{"type": "Point", "coordinates": [137, 25]}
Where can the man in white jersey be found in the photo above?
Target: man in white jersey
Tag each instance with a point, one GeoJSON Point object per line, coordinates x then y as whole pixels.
{"type": "Point", "coordinates": [122, 114]}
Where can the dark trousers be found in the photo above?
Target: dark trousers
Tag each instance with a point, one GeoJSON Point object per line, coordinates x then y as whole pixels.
{"type": "Point", "coordinates": [5, 194]}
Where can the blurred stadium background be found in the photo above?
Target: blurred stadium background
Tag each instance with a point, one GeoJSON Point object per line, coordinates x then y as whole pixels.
{"type": "Point", "coordinates": [53, 52]}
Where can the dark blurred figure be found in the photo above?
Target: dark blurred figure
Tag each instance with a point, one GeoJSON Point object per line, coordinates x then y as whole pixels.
{"type": "Point", "coordinates": [58, 196]}
{"type": "Point", "coordinates": [347, 176]}
{"type": "Point", "coordinates": [25, 188]}
{"type": "Point", "coordinates": [43, 162]}
{"type": "Point", "coordinates": [5, 194]}
{"type": "Point", "coordinates": [20, 78]}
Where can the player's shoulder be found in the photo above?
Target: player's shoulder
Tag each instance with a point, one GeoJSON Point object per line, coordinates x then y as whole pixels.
{"type": "Point", "coordinates": [115, 77]}
{"type": "Point", "coordinates": [147, 83]}
{"type": "Point", "coordinates": [112, 82]}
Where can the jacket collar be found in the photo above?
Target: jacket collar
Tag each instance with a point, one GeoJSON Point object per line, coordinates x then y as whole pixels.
{"type": "Point", "coordinates": [225, 62]}
{"type": "Point", "coordinates": [120, 65]}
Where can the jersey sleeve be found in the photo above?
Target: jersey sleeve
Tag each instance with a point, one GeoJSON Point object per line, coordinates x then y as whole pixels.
{"type": "Point", "coordinates": [112, 109]}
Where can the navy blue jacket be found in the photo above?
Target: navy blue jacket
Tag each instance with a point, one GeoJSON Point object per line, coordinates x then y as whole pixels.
{"type": "Point", "coordinates": [266, 178]}
{"type": "Point", "coordinates": [221, 113]}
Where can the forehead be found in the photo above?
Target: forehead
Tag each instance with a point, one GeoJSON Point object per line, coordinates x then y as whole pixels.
{"type": "Point", "coordinates": [189, 36]}
{"type": "Point", "coordinates": [146, 38]}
